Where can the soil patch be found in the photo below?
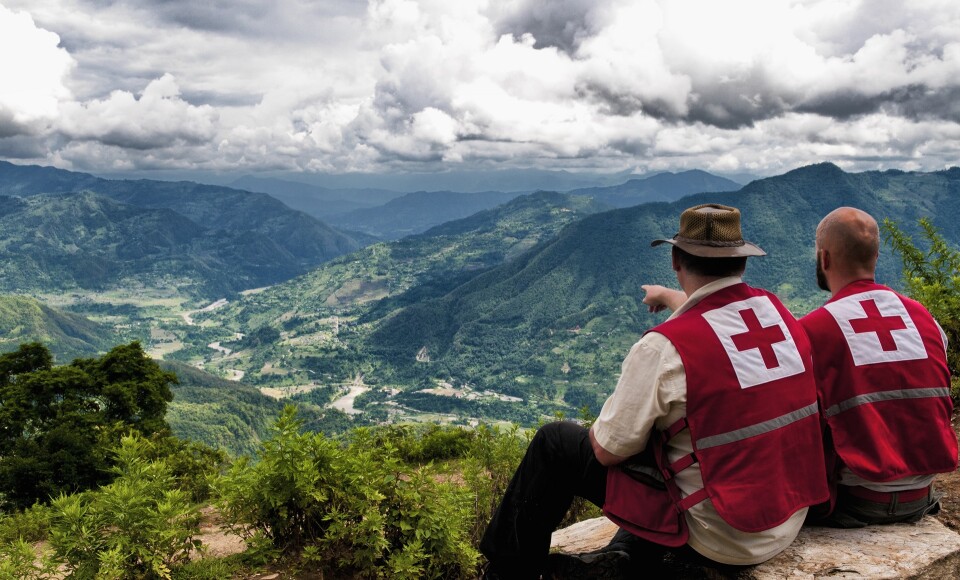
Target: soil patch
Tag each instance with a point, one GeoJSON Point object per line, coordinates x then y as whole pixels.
{"type": "Point", "coordinates": [949, 485]}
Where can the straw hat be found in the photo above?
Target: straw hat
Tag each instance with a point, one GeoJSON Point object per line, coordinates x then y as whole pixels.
{"type": "Point", "coordinates": [712, 231]}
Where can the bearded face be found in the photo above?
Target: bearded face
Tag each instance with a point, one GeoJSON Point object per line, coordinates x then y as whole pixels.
{"type": "Point", "coordinates": [821, 277]}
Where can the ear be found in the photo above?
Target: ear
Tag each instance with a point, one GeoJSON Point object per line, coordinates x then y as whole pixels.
{"type": "Point", "coordinates": [824, 259]}
{"type": "Point", "coordinates": [674, 263]}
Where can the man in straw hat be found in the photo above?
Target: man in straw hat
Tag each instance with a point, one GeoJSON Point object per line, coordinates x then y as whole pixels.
{"type": "Point", "coordinates": [709, 446]}
{"type": "Point", "coordinates": [884, 386]}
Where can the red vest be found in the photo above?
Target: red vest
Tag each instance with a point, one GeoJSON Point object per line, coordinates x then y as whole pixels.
{"type": "Point", "coordinates": [883, 383]}
{"type": "Point", "coordinates": [753, 418]}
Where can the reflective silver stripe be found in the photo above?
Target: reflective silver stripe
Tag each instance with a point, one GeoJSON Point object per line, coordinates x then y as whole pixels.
{"type": "Point", "coordinates": [887, 396]}
{"type": "Point", "coordinates": [758, 429]}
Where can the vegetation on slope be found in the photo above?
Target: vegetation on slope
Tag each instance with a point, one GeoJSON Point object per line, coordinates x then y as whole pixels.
{"type": "Point", "coordinates": [24, 320]}
{"type": "Point", "coordinates": [69, 229]}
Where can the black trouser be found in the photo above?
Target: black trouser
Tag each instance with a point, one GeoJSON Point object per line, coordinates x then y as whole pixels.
{"type": "Point", "coordinates": [855, 512]}
{"type": "Point", "coordinates": [559, 465]}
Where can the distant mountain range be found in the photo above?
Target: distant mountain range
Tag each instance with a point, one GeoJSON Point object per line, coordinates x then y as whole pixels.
{"type": "Point", "coordinates": [67, 229]}
{"type": "Point", "coordinates": [416, 212]}
{"type": "Point", "coordinates": [508, 180]}
{"type": "Point", "coordinates": [412, 213]}
{"type": "Point", "coordinates": [659, 187]}
{"type": "Point", "coordinates": [315, 200]}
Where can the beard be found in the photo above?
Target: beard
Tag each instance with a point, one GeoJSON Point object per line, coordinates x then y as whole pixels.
{"type": "Point", "coordinates": [821, 277]}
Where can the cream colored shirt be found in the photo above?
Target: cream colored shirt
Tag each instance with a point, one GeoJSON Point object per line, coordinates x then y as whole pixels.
{"type": "Point", "coordinates": [652, 394]}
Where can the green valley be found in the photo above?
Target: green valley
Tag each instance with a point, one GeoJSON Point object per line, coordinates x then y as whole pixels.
{"type": "Point", "coordinates": [515, 313]}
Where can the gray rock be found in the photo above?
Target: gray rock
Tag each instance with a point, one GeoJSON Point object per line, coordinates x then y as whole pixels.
{"type": "Point", "coordinates": [926, 550]}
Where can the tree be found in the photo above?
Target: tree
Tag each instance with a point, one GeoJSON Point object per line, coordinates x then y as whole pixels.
{"type": "Point", "coordinates": [932, 277]}
{"type": "Point", "coordinates": [57, 423]}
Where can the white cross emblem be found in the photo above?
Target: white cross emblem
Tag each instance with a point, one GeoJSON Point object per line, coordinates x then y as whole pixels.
{"type": "Point", "coordinates": [757, 341]}
{"type": "Point", "coordinates": [877, 328]}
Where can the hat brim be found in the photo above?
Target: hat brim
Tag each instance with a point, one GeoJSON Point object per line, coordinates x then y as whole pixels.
{"type": "Point", "coordinates": [746, 250]}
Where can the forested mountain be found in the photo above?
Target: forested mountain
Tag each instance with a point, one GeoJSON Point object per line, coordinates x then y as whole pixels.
{"type": "Point", "coordinates": [569, 308]}
{"type": "Point", "coordinates": [419, 211]}
{"type": "Point", "coordinates": [430, 264]}
{"type": "Point", "coordinates": [68, 336]}
{"type": "Point", "coordinates": [88, 241]}
{"type": "Point", "coordinates": [74, 229]}
{"type": "Point", "coordinates": [660, 187]}
{"type": "Point", "coordinates": [551, 323]}
{"type": "Point", "coordinates": [320, 202]}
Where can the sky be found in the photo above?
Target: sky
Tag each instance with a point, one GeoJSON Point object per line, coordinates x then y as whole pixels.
{"type": "Point", "coordinates": [409, 86]}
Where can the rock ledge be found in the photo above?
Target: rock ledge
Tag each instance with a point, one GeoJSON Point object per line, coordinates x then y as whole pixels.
{"type": "Point", "coordinates": [927, 550]}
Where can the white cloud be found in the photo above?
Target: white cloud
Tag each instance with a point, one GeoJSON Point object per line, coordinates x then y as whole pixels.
{"type": "Point", "coordinates": [32, 71]}
{"type": "Point", "coordinates": [336, 85]}
{"type": "Point", "coordinates": [158, 119]}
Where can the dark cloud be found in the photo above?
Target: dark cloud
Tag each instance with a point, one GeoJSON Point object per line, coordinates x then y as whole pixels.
{"type": "Point", "coordinates": [724, 105]}
{"type": "Point", "coordinates": [238, 16]}
{"type": "Point", "coordinates": [221, 99]}
{"type": "Point", "coordinates": [915, 102]}
{"type": "Point", "coordinates": [22, 147]}
{"type": "Point", "coordinates": [142, 141]}
{"type": "Point", "coordinates": [559, 23]}
{"type": "Point", "coordinates": [734, 106]}
{"type": "Point", "coordinates": [9, 127]}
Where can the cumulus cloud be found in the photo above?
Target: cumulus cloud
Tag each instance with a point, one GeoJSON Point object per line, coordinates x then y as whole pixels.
{"type": "Point", "coordinates": [157, 119]}
{"type": "Point", "coordinates": [340, 85]}
{"type": "Point", "coordinates": [32, 71]}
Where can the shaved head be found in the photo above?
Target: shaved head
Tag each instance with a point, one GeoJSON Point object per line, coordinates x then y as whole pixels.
{"type": "Point", "coordinates": [853, 239]}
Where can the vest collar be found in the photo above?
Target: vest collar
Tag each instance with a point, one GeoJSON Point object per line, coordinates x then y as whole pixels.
{"type": "Point", "coordinates": [704, 291]}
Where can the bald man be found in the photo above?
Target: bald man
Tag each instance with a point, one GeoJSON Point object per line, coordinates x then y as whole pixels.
{"type": "Point", "coordinates": [882, 381]}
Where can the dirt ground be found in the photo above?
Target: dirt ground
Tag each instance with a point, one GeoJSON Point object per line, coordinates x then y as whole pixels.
{"type": "Point", "coordinates": [216, 540]}
{"type": "Point", "coordinates": [949, 484]}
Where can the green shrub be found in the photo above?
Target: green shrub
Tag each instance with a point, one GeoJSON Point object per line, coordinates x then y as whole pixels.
{"type": "Point", "coordinates": [192, 464]}
{"type": "Point", "coordinates": [206, 569]}
{"type": "Point", "coordinates": [355, 509]}
{"type": "Point", "coordinates": [19, 560]}
{"type": "Point", "coordinates": [138, 526]}
{"type": "Point", "coordinates": [488, 468]}
{"type": "Point", "coordinates": [31, 525]}
{"type": "Point", "coordinates": [932, 277]}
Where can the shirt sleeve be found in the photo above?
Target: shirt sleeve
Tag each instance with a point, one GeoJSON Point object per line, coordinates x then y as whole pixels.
{"type": "Point", "coordinates": [652, 384]}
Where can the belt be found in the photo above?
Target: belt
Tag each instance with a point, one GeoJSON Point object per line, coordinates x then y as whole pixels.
{"type": "Point", "coordinates": [904, 496]}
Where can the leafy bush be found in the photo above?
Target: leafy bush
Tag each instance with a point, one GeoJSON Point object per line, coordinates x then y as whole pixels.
{"type": "Point", "coordinates": [356, 510]}
{"type": "Point", "coordinates": [488, 469]}
{"type": "Point", "coordinates": [19, 560]}
{"type": "Point", "coordinates": [31, 525]}
{"type": "Point", "coordinates": [932, 277]}
{"type": "Point", "coordinates": [138, 526]}
{"type": "Point", "coordinates": [191, 464]}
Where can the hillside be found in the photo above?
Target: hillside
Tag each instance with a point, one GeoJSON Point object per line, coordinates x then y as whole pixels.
{"type": "Point", "coordinates": [68, 336]}
{"type": "Point", "coordinates": [88, 241]}
{"type": "Point", "coordinates": [208, 240]}
{"type": "Point", "coordinates": [566, 312]}
{"type": "Point", "coordinates": [233, 416]}
{"type": "Point", "coordinates": [322, 316]}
